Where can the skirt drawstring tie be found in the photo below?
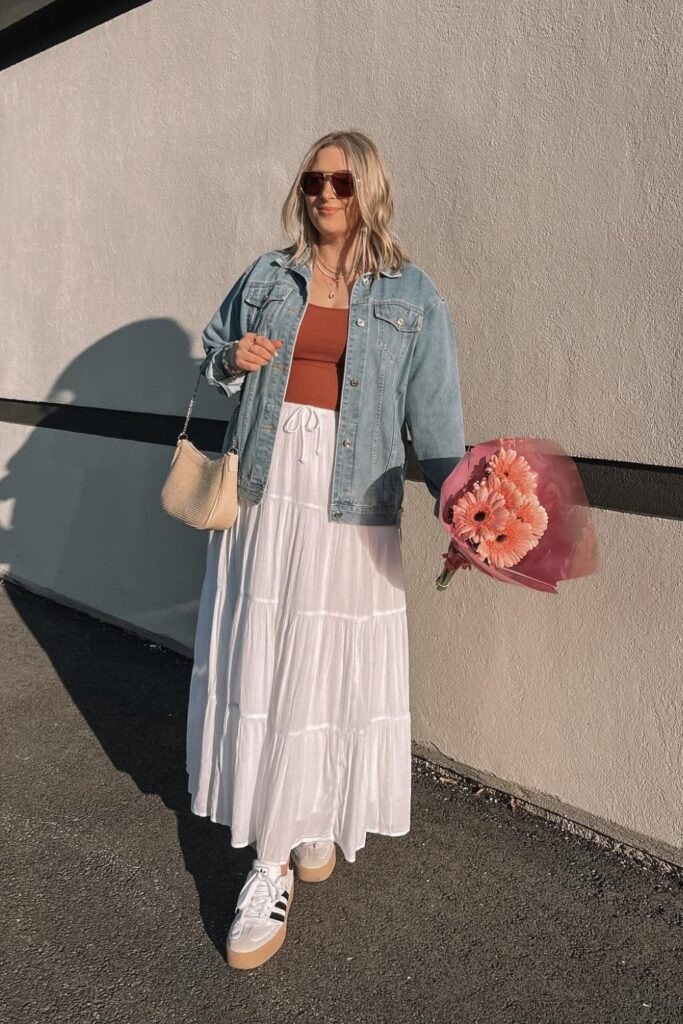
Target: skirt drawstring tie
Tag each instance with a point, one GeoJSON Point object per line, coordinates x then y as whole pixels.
{"type": "Point", "coordinates": [303, 418]}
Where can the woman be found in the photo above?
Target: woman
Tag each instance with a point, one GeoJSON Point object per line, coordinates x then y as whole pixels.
{"type": "Point", "coordinates": [298, 731]}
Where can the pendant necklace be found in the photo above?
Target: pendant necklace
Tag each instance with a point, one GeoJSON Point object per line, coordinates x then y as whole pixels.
{"type": "Point", "coordinates": [330, 277]}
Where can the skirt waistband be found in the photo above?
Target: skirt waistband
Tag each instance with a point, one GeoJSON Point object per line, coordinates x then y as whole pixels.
{"type": "Point", "coordinates": [306, 419]}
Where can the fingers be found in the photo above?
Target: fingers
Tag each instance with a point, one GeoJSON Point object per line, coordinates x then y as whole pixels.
{"type": "Point", "coordinates": [257, 350]}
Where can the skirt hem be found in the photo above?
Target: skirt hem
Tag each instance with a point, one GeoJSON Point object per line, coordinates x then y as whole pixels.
{"type": "Point", "coordinates": [305, 839]}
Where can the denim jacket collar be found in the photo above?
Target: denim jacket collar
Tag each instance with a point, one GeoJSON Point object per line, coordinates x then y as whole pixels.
{"type": "Point", "coordinates": [284, 261]}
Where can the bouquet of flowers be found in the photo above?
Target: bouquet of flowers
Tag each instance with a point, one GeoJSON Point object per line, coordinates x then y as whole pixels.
{"type": "Point", "coordinates": [516, 509]}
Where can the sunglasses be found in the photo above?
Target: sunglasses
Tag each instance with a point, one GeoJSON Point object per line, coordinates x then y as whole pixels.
{"type": "Point", "coordinates": [313, 182]}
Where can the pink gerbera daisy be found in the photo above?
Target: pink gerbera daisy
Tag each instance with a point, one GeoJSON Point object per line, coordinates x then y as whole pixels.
{"type": "Point", "coordinates": [510, 545]}
{"type": "Point", "coordinates": [479, 513]}
{"type": "Point", "coordinates": [507, 464]}
{"type": "Point", "coordinates": [532, 512]}
{"type": "Point", "coordinates": [512, 495]}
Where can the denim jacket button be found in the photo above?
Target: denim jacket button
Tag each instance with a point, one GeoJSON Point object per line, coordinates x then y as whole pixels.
{"type": "Point", "coordinates": [353, 382]}
{"type": "Point", "coordinates": [361, 323]}
{"type": "Point", "coordinates": [337, 514]}
{"type": "Point", "coordinates": [346, 442]}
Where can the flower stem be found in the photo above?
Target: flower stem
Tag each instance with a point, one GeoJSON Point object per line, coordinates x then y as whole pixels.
{"type": "Point", "coordinates": [444, 579]}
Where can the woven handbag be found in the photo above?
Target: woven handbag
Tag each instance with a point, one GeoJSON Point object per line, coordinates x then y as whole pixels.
{"type": "Point", "coordinates": [199, 490]}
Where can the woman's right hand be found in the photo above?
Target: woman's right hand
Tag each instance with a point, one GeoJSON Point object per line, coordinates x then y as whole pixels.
{"type": "Point", "coordinates": [254, 350]}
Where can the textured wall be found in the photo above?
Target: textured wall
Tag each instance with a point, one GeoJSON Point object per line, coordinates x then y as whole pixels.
{"type": "Point", "coordinates": [534, 154]}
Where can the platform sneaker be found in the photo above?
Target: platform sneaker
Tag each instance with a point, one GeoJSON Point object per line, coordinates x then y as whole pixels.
{"type": "Point", "coordinates": [261, 913]}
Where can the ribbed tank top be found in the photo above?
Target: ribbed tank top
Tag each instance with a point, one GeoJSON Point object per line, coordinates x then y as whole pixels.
{"type": "Point", "coordinates": [316, 375]}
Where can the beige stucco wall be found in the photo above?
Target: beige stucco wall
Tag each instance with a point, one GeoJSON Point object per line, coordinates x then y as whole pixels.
{"type": "Point", "coordinates": [533, 151]}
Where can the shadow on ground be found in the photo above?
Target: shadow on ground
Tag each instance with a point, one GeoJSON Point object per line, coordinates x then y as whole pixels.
{"type": "Point", "coordinates": [118, 899]}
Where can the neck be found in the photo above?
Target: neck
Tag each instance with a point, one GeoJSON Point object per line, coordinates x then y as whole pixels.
{"type": "Point", "coordinates": [336, 255]}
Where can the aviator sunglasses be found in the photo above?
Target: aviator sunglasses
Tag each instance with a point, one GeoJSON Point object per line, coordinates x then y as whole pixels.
{"type": "Point", "coordinates": [313, 182]}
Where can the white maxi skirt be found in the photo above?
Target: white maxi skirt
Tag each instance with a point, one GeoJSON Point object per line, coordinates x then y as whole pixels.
{"type": "Point", "coordinates": [298, 723]}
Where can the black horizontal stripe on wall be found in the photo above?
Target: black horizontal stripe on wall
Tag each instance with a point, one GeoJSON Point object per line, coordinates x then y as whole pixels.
{"type": "Point", "coordinates": [618, 486]}
{"type": "Point", "coordinates": [151, 427]}
{"type": "Point", "coordinates": [54, 23]}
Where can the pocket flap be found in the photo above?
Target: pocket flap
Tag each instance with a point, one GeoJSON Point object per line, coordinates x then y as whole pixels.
{"type": "Point", "coordinates": [256, 294]}
{"type": "Point", "coordinates": [400, 315]}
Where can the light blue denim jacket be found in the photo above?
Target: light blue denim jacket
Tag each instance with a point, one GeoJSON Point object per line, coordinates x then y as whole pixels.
{"type": "Point", "coordinates": [400, 370]}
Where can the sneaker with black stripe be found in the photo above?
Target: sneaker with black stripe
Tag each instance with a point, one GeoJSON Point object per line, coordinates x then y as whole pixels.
{"type": "Point", "coordinates": [260, 923]}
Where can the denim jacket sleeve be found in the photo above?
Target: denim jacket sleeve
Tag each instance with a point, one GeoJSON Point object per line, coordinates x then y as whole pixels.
{"type": "Point", "coordinates": [223, 331]}
{"type": "Point", "coordinates": [433, 406]}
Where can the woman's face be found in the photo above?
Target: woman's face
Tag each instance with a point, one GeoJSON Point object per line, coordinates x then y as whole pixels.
{"type": "Point", "coordinates": [335, 218]}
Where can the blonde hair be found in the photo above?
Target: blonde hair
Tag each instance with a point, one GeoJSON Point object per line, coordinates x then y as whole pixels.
{"type": "Point", "coordinates": [376, 248]}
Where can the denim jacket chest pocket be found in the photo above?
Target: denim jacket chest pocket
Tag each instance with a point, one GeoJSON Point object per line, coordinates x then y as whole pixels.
{"type": "Point", "coordinates": [263, 301]}
{"type": "Point", "coordinates": [396, 324]}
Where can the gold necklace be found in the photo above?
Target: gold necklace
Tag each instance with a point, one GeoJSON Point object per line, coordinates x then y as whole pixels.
{"type": "Point", "coordinates": [337, 273]}
{"type": "Point", "coordinates": [331, 276]}
{"type": "Point", "coordinates": [331, 294]}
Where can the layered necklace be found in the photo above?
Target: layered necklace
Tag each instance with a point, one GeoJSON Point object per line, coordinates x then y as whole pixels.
{"type": "Point", "coordinates": [332, 276]}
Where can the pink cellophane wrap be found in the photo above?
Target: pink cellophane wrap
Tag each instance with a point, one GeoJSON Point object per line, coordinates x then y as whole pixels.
{"type": "Point", "coordinates": [568, 548]}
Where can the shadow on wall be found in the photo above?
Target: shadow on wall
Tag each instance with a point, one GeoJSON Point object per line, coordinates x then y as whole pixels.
{"type": "Point", "coordinates": [86, 521]}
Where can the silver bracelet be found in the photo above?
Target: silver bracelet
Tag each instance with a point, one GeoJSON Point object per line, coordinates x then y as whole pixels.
{"type": "Point", "coordinates": [231, 371]}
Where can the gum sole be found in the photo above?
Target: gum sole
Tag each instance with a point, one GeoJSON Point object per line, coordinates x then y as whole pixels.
{"type": "Point", "coordinates": [316, 874]}
{"type": "Point", "coordinates": [256, 957]}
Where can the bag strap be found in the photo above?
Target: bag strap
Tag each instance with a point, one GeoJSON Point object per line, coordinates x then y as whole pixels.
{"type": "Point", "coordinates": [233, 437]}
{"type": "Point", "coordinates": [183, 432]}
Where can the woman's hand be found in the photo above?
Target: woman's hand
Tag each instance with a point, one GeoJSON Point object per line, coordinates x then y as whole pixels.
{"type": "Point", "coordinates": [254, 350]}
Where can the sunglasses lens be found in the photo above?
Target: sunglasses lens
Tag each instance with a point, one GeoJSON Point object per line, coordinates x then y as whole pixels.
{"type": "Point", "coordinates": [312, 183]}
{"type": "Point", "coordinates": [343, 184]}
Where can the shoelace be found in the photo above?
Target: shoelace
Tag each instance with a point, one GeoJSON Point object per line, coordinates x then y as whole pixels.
{"type": "Point", "coordinates": [259, 892]}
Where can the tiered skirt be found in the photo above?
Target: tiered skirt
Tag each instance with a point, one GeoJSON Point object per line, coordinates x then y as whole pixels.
{"type": "Point", "coordinates": [298, 722]}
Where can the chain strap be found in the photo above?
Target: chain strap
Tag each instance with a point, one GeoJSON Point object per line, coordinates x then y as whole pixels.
{"type": "Point", "coordinates": [183, 432]}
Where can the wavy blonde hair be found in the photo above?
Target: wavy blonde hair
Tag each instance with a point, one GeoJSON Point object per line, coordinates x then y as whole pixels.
{"type": "Point", "coordinates": [377, 248]}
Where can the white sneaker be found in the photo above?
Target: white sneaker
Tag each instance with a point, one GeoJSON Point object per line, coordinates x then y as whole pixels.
{"type": "Point", "coordinates": [262, 909]}
{"type": "Point", "coordinates": [314, 861]}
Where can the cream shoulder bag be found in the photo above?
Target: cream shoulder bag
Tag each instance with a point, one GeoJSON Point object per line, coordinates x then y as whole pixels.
{"type": "Point", "coordinates": [201, 491]}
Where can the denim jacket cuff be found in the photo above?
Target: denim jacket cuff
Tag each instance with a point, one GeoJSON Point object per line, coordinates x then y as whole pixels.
{"type": "Point", "coordinates": [217, 374]}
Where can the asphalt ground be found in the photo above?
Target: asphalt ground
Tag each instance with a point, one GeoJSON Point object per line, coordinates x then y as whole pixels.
{"type": "Point", "coordinates": [117, 899]}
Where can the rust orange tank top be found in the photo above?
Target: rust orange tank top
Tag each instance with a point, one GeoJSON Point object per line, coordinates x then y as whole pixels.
{"type": "Point", "coordinates": [316, 375]}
